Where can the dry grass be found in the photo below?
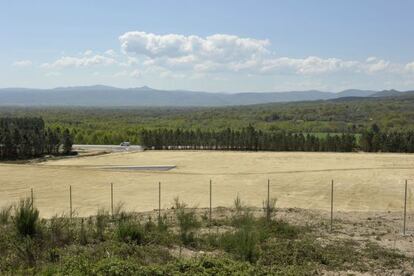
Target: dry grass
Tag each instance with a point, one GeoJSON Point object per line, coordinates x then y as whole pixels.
{"type": "Point", "coordinates": [363, 182]}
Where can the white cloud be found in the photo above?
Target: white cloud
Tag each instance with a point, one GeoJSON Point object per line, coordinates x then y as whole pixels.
{"type": "Point", "coordinates": [179, 52]}
{"type": "Point", "coordinates": [220, 55]}
{"type": "Point", "coordinates": [84, 61]}
{"type": "Point", "coordinates": [307, 66]}
{"type": "Point", "coordinates": [135, 74]}
{"type": "Point", "coordinates": [121, 74]}
{"type": "Point", "coordinates": [409, 67]}
{"type": "Point", "coordinates": [53, 74]}
{"type": "Point", "coordinates": [376, 65]}
{"type": "Point", "coordinates": [230, 53]}
{"type": "Point", "coordinates": [22, 63]}
{"type": "Point", "coordinates": [215, 47]}
{"type": "Point", "coordinates": [88, 53]}
{"type": "Point", "coordinates": [110, 53]}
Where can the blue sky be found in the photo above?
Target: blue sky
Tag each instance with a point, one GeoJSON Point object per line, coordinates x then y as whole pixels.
{"type": "Point", "coordinates": [208, 45]}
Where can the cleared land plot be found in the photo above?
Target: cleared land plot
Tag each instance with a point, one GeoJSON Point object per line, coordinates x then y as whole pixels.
{"type": "Point", "coordinates": [363, 182]}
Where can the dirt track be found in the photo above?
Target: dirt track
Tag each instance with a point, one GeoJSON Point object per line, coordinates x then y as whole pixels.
{"type": "Point", "coordinates": [363, 182]}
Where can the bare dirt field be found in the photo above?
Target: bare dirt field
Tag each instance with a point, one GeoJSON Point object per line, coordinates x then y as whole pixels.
{"type": "Point", "coordinates": [363, 182]}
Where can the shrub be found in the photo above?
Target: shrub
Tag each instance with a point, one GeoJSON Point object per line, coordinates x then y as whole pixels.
{"type": "Point", "coordinates": [115, 267]}
{"type": "Point", "coordinates": [83, 235]}
{"type": "Point", "coordinates": [243, 243]}
{"type": "Point", "coordinates": [187, 222]}
{"type": "Point", "coordinates": [269, 208]}
{"type": "Point", "coordinates": [27, 250]}
{"type": "Point", "coordinates": [60, 230]}
{"type": "Point", "coordinates": [281, 229]}
{"type": "Point", "coordinates": [203, 266]}
{"type": "Point", "coordinates": [102, 218]}
{"type": "Point", "coordinates": [128, 231]}
{"type": "Point", "coordinates": [26, 218]}
{"type": "Point", "coordinates": [5, 213]}
{"type": "Point", "coordinates": [389, 258]}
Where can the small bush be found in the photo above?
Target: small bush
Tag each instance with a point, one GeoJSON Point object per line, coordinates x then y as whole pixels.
{"type": "Point", "coordinates": [387, 257]}
{"type": "Point", "coordinates": [187, 222]}
{"type": "Point", "coordinates": [26, 218]}
{"type": "Point", "coordinates": [60, 230]}
{"type": "Point", "coordinates": [102, 218]}
{"type": "Point", "coordinates": [281, 229]}
{"type": "Point", "coordinates": [5, 213]}
{"type": "Point", "coordinates": [83, 235]}
{"type": "Point", "coordinates": [115, 266]}
{"type": "Point", "coordinates": [27, 250]}
{"type": "Point", "coordinates": [269, 208]}
{"type": "Point", "coordinates": [243, 243]}
{"type": "Point", "coordinates": [128, 231]}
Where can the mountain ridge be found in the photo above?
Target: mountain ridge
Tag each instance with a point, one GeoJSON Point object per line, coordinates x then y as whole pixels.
{"type": "Point", "coordinates": [102, 95]}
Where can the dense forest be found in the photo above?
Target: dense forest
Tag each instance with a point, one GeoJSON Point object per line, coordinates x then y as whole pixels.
{"type": "Point", "coordinates": [22, 138]}
{"type": "Point", "coordinates": [318, 118]}
{"type": "Point", "coordinates": [245, 139]}
{"type": "Point", "coordinates": [372, 140]}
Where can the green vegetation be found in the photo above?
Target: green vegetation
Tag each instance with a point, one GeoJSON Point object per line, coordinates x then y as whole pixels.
{"type": "Point", "coordinates": [114, 125]}
{"type": "Point", "coordinates": [246, 139]}
{"type": "Point", "coordinates": [372, 140]}
{"type": "Point", "coordinates": [22, 138]}
{"type": "Point", "coordinates": [242, 243]}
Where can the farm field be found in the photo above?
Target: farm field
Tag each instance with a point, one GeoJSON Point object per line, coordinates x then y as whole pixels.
{"type": "Point", "coordinates": [363, 182]}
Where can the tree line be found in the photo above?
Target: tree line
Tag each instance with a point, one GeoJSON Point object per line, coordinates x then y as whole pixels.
{"type": "Point", "coordinates": [375, 140]}
{"type": "Point", "coordinates": [251, 139]}
{"type": "Point", "coordinates": [22, 138]}
{"type": "Point", "coordinates": [246, 139]}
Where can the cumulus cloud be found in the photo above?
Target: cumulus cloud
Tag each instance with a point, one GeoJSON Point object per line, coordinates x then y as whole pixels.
{"type": "Point", "coordinates": [188, 56]}
{"type": "Point", "coordinates": [215, 47]}
{"type": "Point", "coordinates": [307, 66]}
{"type": "Point", "coordinates": [22, 63]}
{"type": "Point", "coordinates": [230, 53]}
{"type": "Point", "coordinates": [83, 61]}
{"type": "Point", "coordinates": [110, 52]}
{"type": "Point", "coordinates": [53, 74]}
{"type": "Point", "coordinates": [374, 65]}
{"type": "Point", "coordinates": [409, 67]}
{"type": "Point", "coordinates": [135, 74]}
{"type": "Point", "coordinates": [175, 51]}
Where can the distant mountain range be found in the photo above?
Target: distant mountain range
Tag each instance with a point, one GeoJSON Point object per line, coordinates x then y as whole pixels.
{"type": "Point", "coordinates": [102, 96]}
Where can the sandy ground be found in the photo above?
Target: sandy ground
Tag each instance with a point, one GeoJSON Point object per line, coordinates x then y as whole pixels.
{"type": "Point", "coordinates": [363, 182]}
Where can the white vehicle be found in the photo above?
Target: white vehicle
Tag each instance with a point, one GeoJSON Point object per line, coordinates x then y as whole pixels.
{"type": "Point", "coordinates": [125, 144]}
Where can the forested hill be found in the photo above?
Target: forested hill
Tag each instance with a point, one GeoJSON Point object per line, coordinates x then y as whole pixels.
{"type": "Point", "coordinates": [104, 96]}
{"type": "Point", "coordinates": [114, 125]}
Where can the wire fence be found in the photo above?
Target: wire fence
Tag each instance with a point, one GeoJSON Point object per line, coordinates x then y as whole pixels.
{"type": "Point", "coordinates": [106, 196]}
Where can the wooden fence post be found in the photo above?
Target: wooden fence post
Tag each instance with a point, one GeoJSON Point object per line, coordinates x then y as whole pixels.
{"type": "Point", "coordinates": [112, 200]}
{"type": "Point", "coordinates": [268, 200]}
{"type": "Point", "coordinates": [70, 202]}
{"type": "Point", "coordinates": [159, 202]}
{"type": "Point", "coordinates": [332, 191]}
{"type": "Point", "coordinates": [211, 191]}
{"type": "Point", "coordinates": [31, 198]}
{"type": "Point", "coordinates": [405, 207]}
